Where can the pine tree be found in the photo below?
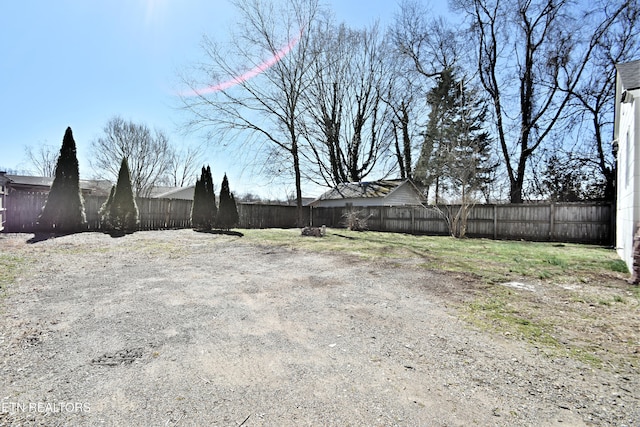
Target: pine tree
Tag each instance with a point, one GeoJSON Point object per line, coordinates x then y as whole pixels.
{"type": "Point", "coordinates": [197, 218]}
{"type": "Point", "coordinates": [105, 208]}
{"type": "Point", "coordinates": [64, 208]}
{"type": "Point", "coordinates": [456, 152]}
{"type": "Point", "coordinates": [228, 211]}
{"type": "Point", "coordinates": [210, 201]}
{"type": "Point", "coordinates": [203, 210]}
{"type": "Point", "coordinates": [120, 212]}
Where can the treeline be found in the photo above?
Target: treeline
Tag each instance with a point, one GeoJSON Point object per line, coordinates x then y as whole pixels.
{"type": "Point", "coordinates": [63, 211]}
{"type": "Point", "coordinates": [502, 100]}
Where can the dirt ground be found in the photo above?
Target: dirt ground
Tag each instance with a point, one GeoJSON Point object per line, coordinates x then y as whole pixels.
{"type": "Point", "coordinates": [192, 329]}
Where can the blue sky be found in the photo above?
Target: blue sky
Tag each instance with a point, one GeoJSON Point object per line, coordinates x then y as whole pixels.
{"type": "Point", "coordinates": [78, 63]}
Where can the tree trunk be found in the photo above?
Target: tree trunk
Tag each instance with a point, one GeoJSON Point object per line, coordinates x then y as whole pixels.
{"type": "Point", "coordinates": [296, 168]}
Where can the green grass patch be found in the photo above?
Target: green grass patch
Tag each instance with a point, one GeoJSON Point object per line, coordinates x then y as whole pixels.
{"type": "Point", "coordinates": [618, 266]}
{"type": "Point", "coordinates": [497, 309]}
{"type": "Point", "coordinates": [10, 265]}
{"type": "Point", "coordinates": [495, 313]}
{"type": "Point", "coordinates": [494, 261]}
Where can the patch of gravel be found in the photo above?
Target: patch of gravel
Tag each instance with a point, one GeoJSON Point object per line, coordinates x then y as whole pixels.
{"type": "Point", "coordinates": [184, 328]}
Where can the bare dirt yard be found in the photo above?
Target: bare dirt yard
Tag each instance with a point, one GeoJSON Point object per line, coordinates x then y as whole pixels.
{"type": "Point", "coordinates": [182, 328]}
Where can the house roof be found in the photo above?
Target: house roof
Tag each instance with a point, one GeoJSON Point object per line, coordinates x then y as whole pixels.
{"type": "Point", "coordinates": [363, 190]}
{"type": "Point", "coordinates": [629, 73]}
{"type": "Point", "coordinates": [185, 193]}
{"type": "Point", "coordinates": [98, 187]}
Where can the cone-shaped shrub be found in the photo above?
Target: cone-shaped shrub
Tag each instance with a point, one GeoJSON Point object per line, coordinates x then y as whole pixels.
{"type": "Point", "coordinates": [203, 210]}
{"type": "Point", "coordinates": [105, 208]}
{"type": "Point", "coordinates": [64, 209]}
{"type": "Point", "coordinates": [211, 196]}
{"type": "Point", "coordinates": [119, 212]}
{"type": "Point", "coordinates": [228, 211]}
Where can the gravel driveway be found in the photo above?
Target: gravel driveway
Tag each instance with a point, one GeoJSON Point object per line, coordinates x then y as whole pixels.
{"type": "Point", "coordinates": [191, 329]}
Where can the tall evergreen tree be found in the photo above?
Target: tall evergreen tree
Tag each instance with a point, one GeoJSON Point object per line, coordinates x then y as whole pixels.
{"type": "Point", "coordinates": [210, 201]}
{"type": "Point", "coordinates": [120, 212]}
{"type": "Point", "coordinates": [228, 212]}
{"type": "Point", "coordinates": [197, 208]}
{"type": "Point", "coordinates": [456, 152]}
{"type": "Point", "coordinates": [203, 210]}
{"type": "Point", "coordinates": [64, 209]}
{"type": "Point", "coordinates": [105, 209]}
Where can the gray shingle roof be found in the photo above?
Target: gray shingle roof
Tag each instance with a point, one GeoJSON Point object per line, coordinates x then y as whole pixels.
{"type": "Point", "coordinates": [99, 187]}
{"type": "Point", "coordinates": [358, 190]}
{"type": "Point", "coordinates": [629, 73]}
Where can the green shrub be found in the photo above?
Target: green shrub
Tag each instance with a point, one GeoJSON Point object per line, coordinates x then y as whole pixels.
{"type": "Point", "coordinates": [203, 210]}
{"type": "Point", "coordinates": [120, 212]}
{"type": "Point", "coordinates": [228, 212]}
{"type": "Point", "coordinates": [64, 209]}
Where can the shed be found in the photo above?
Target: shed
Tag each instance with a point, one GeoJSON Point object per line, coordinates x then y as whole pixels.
{"type": "Point", "coordinates": [627, 136]}
{"type": "Point", "coordinates": [393, 192]}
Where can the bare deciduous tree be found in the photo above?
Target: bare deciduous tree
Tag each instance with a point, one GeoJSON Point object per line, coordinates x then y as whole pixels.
{"type": "Point", "coordinates": [262, 107]}
{"type": "Point", "coordinates": [182, 168]}
{"type": "Point", "coordinates": [422, 46]}
{"type": "Point", "coordinates": [348, 124]}
{"type": "Point", "coordinates": [427, 42]}
{"type": "Point", "coordinates": [592, 107]}
{"type": "Point", "coordinates": [148, 154]}
{"type": "Point", "coordinates": [531, 56]}
{"type": "Point", "coordinates": [43, 159]}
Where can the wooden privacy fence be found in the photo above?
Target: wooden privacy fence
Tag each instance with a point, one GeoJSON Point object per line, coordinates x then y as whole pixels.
{"type": "Point", "coordinates": [23, 209]}
{"type": "Point", "coordinates": [557, 222]}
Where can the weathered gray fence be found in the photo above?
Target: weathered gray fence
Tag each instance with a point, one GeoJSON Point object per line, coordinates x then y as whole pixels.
{"type": "Point", "coordinates": [561, 222]}
{"type": "Point", "coordinates": [23, 209]}
{"type": "Point", "coordinates": [270, 216]}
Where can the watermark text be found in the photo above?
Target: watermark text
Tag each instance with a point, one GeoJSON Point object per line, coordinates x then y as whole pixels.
{"type": "Point", "coordinates": [44, 407]}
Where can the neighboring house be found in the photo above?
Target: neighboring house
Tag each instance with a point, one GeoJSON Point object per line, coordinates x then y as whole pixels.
{"type": "Point", "coordinates": [182, 193]}
{"type": "Point", "coordinates": [22, 196]}
{"type": "Point", "coordinates": [42, 184]}
{"type": "Point", "coordinates": [627, 136]}
{"type": "Point", "coordinates": [393, 192]}
{"type": "Point", "coordinates": [306, 201]}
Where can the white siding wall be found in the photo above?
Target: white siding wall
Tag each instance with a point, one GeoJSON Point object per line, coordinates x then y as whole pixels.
{"type": "Point", "coordinates": [354, 202]}
{"type": "Point", "coordinates": [628, 198]}
{"type": "Point", "coordinates": [403, 195]}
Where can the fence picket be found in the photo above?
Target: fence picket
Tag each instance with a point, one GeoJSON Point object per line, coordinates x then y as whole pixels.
{"type": "Point", "coordinates": [588, 222]}
{"type": "Point", "coordinates": [563, 222]}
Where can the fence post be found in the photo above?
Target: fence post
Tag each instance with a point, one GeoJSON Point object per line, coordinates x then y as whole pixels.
{"type": "Point", "coordinates": [552, 220]}
{"type": "Point", "coordinates": [495, 222]}
{"type": "Point", "coordinates": [413, 219]}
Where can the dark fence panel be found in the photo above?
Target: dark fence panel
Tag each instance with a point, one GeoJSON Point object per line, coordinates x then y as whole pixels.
{"type": "Point", "coordinates": [22, 211]}
{"type": "Point", "coordinates": [270, 216]}
{"type": "Point", "coordinates": [154, 214]}
{"type": "Point", "coordinates": [561, 222]}
{"type": "Point", "coordinates": [558, 222]}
